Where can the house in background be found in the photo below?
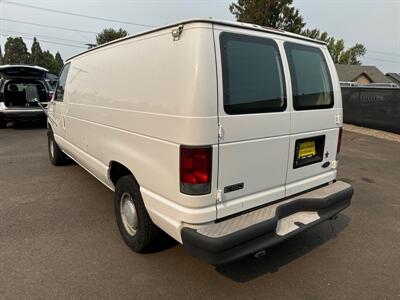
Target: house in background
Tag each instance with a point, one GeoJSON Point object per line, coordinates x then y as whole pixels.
{"type": "Point", "coordinates": [361, 74]}
{"type": "Point", "coordinates": [394, 77]}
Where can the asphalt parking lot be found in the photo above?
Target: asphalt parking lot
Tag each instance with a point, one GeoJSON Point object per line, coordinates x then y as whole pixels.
{"type": "Point", "coordinates": [58, 237]}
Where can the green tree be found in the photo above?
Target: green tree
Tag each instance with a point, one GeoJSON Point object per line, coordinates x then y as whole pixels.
{"type": "Point", "coordinates": [58, 63]}
{"type": "Point", "coordinates": [110, 34]}
{"type": "Point", "coordinates": [36, 53]}
{"type": "Point", "coordinates": [279, 14]}
{"type": "Point", "coordinates": [351, 56]}
{"type": "Point", "coordinates": [15, 51]}
{"type": "Point", "coordinates": [339, 53]}
{"type": "Point", "coordinates": [47, 61]}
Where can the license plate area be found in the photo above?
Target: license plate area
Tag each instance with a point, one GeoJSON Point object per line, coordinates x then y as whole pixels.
{"type": "Point", "coordinates": [308, 151]}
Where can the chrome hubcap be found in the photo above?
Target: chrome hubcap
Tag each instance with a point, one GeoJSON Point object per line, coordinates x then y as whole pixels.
{"type": "Point", "coordinates": [128, 214]}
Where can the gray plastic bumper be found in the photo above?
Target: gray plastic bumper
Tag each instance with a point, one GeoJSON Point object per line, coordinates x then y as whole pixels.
{"type": "Point", "coordinates": [230, 239]}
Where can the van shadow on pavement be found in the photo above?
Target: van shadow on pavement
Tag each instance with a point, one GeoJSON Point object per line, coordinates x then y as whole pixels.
{"type": "Point", "coordinates": [164, 242]}
{"type": "Point", "coordinates": [282, 254]}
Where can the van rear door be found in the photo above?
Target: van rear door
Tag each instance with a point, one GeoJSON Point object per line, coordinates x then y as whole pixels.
{"type": "Point", "coordinates": [254, 120]}
{"type": "Point", "coordinates": [315, 117]}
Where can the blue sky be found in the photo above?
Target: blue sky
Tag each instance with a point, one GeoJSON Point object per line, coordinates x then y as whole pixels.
{"type": "Point", "coordinates": [375, 23]}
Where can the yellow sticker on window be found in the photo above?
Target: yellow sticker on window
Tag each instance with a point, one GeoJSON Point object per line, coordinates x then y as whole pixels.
{"type": "Point", "coordinates": [307, 149]}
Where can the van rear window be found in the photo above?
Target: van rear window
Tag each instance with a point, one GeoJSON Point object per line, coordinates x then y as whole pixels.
{"type": "Point", "coordinates": [311, 82]}
{"type": "Point", "coordinates": [252, 70]}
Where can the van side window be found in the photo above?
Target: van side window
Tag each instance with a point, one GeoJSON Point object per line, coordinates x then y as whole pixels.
{"type": "Point", "coordinates": [311, 82]}
{"type": "Point", "coordinates": [59, 95]}
{"type": "Point", "coordinates": [252, 72]}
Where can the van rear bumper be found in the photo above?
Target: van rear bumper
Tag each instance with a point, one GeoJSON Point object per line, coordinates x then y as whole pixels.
{"type": "Point", "coordinates": [230, 239]}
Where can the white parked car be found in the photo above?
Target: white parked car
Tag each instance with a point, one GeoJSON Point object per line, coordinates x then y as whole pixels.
{"type": "Point", "coordinates": [223, 135]}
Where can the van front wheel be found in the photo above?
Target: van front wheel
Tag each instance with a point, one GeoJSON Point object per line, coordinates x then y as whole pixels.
{"type": "Point", "coordinates": [134, 223]}
{"type": "Point", "coordinates": [57, 157]}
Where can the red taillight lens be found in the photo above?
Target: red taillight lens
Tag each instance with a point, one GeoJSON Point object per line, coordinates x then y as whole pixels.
{"type": "Point", "coordinates": [50, 95]}
{"type": "Point", "coordinates": [339, 144]}
{"type": "Point", "coordinates": [195, 170]}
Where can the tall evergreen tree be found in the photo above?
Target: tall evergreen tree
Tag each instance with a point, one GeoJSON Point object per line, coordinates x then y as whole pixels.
{"type": "Point", "coordinates": [47, 61]}
{"type": "Point", "coordinates": [36, 53]}
{"type": "Point", "coordinates": [15, 51]}
{"type": "Point", "coordinates": [58, 63]}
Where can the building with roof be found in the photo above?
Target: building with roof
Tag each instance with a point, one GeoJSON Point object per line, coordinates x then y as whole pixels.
{"type": "Point", "coordinates": [361, 74]}
{"type": "Point", "coordinates": [394, 77]}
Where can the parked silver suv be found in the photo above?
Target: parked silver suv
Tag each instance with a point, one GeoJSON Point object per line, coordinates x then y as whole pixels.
{"type": "Point", "coordinates": [21, 86]}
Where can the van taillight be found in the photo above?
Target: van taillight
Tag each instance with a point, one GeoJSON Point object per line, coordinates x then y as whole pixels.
{"type": "Point", "coordinates": [195, 170]}
{"type": "Point", "coordinates": [339, 140]}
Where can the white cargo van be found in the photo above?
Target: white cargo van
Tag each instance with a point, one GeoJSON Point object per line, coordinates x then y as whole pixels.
{"type": "Point", "coordinates": [224, 135]}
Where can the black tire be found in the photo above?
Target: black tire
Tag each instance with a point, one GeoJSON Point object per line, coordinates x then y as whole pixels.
{"type": "Point", "coordinates": [146, 232]}
{"type": "Point", "coordinates": [57, 157]}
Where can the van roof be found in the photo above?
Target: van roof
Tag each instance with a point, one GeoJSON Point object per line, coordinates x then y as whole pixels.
{"type": "Point", "coordinates": [210, 21]}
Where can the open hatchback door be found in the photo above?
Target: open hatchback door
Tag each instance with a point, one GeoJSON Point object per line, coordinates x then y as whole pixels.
{"type": "Point", "coordinates": [22, 71]}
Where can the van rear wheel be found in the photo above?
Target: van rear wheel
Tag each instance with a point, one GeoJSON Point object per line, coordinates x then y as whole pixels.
{"type": "Point", "coordinates": [134, 223]}
{"type": "Point", "coordinates": [57, 157]}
